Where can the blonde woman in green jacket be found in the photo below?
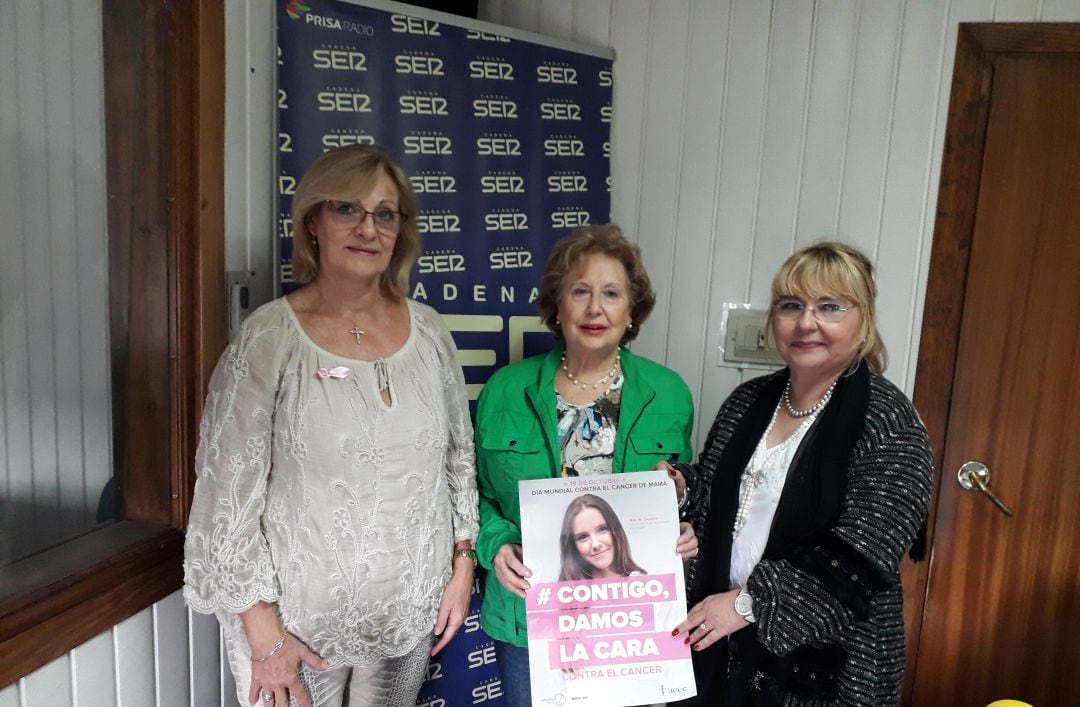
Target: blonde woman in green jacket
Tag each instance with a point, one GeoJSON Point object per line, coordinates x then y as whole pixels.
{"type": "Point", "coordinates": [588, 407]}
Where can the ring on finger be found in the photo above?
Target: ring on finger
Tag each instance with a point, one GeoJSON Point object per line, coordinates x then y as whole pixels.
{"type": "Point", "coordinates": [703, 627]}
{"type": "Point", "coordinates": [267, 697]}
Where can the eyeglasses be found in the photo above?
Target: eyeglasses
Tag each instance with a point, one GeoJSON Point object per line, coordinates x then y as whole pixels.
{"type": "Point", "coordinates": [825, 311]}
{"type": "Point", "coordinates": [345, 213]}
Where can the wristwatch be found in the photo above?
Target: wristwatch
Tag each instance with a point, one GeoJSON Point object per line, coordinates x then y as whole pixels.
{"type": "Point", "coordinates": [470, 553]}
{"type": "Point", "coordinates": [744, 606]}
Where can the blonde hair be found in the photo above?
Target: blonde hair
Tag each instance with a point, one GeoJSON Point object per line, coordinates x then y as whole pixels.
{"type": "Point", "coordinates": [834, 268]}
{"type": "Point", "coordinates": [342, 174]}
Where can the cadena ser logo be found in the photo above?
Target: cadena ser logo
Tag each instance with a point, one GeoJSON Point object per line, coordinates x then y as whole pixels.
{"type": "Point", "coordinates": [476, 34]}
{"type": "Point", "coordinates": [414, 25]}
{"type": "Point", "coordinates": [562, 182]}
{"type": "Point", "coordinates": [484, 655]}
{"type": "Point", "coordinates": [556, 73]}
{"type": "Point", "coordinates": [491, 68]}
{"type": "Point", "coordinates": [605, 114]}
{"type": "Point", "coordinates": [439, 261]}
{"type": "Point", "coordinates": [293, 8]}
{"type": "Point", "coordinates": [569, 217]}
{"type": "Point", "coordinates": [423, 103]}
{"type": "Point", "coordinates": [605, 77]}
{"type": "Point", "coordinates": [433, 182]}
{"type": "Point", "coordinates": [427, 142]}
{"type": "Point", "coordinates": [340, 137]}
{"type": "Point", "coordinates": [488, 106]}
{"type": "Point", "coordinates": [560, 109]}
{"type": "Point", "coordinates": [498, 145]}
{"type": "Point", "coordinates": [438, 221]}
{"type": "Point", "coordinates": [502, 183]}
{"type": "Point", "coordinates": [506, 220]}
{"type": "Point", "coordinates": [564, 146]}
{"type": "Point", "coordinates": [509, 258]}
{"type": "Point", "coordinates": [490, 689]}
{"type": "Point", "coordinates": [419, 64]}
{"type": "Point", "coordinates": [338, 59]}
{"type": "Point", "coordinates": [342, 99]}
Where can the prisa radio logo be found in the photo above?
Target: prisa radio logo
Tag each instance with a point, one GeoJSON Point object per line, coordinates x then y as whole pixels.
{"type": "Point", "coordinates": [427, 143]}
{"type": "Point", "coordinates": [296, 8]}
{"type": "Point", "coordinates": [338, 59]}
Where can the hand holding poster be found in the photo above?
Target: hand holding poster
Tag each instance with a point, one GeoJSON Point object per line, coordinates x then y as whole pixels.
{"type": "Point", "coordinates": [607, 588]}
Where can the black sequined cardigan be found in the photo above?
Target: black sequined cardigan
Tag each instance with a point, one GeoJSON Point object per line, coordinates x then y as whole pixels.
{"type": "Point", "coordinates": [826, 593]}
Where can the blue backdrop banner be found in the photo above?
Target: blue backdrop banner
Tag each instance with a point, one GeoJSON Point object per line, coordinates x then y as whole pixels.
{"type": "Point", "coordinates": [506, 138]}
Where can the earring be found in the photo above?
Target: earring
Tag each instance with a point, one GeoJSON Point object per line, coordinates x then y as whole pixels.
{"type": "Point", "coordinates": [558, 323]}
{"type": "Point", "coordinates": [630, 325]}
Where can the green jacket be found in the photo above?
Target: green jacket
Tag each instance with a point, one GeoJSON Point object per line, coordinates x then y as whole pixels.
{"type": "Point", "coordinates": [516, 439]}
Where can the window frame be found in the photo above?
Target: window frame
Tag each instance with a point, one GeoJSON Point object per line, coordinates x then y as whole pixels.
{"type": "Point", "coordinates": [164, 108]}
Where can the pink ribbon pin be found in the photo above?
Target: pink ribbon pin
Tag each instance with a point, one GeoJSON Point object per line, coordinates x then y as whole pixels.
{"type": "Point", "coordinates": [336, 372]}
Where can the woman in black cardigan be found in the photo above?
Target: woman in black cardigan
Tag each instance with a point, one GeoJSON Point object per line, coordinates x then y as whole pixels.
{"type": "Point", "coordinates": [813, 483]}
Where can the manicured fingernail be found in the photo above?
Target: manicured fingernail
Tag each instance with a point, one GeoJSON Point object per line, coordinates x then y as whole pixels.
{"type": "Point", "coordinates": [687, 641]}
{"type": "Point", "coordinates": [671, 473]}
{"type": "Point", "coordinates": [674, 632]}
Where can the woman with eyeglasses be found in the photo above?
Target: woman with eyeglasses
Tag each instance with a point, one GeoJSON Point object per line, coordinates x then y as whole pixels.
{"type": "Point", "coordinates": [588, 407]}
{"type": "Point", "coordinates": [335, 508]}
{"type": "Point", "coordinates": [813, 483]}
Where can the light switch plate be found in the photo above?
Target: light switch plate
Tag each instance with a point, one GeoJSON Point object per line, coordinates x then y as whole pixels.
{"type": "Point", "coordinates": [745, 340]}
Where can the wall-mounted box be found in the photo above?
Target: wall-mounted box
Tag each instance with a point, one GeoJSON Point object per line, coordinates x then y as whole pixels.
{"type": "Point", "coordinates": [745, 340]}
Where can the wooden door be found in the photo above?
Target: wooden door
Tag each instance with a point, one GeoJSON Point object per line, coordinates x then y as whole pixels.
{"type": "Point", "coordinates": [999, 378]}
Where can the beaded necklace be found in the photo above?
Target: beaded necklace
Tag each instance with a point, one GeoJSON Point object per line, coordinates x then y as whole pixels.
{"type": "Point", "coordinates": [763, 458]}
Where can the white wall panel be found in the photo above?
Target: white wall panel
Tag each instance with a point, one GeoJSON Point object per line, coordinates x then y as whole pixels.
{"type": "Point", "coordinates": [9, 696]}
{"type": "Point", "coordinates": [555, 18]}
{"type": "Point", "coordinates": [592, 22]}
{"type": "Point", "coordinates": [133, 644]}
{"type": "Point", "coordinates": [700, 157]}
{"type": "Point", "coordinates": [659, 178]}
{"type": "Point", "coordinates": [93, 675]}
{"type": "Point", "coordinates": [48, 685]}
{"type": "Point", "coordinates": [1015, 10]}
{"type": "Point", "coordinates": [204, 659]}
{"type": "Point", "coordinates": [172, 681]}
{"type": "Point", "coordinates": [631, 31]}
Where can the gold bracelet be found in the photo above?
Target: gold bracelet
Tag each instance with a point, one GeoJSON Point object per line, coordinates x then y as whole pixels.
{"type": "Point", "coordinates": [275, 649]}
{"type": "Point", "coordinates": [470, 553]}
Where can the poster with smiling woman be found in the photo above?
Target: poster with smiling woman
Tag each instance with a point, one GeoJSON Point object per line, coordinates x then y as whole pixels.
{"type": "Point", "coordinates": [607, 588]}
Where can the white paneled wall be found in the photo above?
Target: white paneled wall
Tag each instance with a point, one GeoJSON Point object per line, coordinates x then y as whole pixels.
{"type": "Point", "coordinates": [54, 359]}
{"type": "Point", "coordinates": [164, 656]}
{"type": "Point", "coordinates": [743, 129]}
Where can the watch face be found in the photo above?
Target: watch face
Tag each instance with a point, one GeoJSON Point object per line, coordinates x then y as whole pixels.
{"type": "Point", "coordinates": [744, 605]}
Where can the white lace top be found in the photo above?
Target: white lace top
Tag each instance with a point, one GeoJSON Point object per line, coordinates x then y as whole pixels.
{"type": "Point", "coordinates": [315, 495]}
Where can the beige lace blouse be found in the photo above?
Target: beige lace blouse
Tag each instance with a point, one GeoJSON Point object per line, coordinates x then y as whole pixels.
{"type": "Point", "coordinates": [317, 496]}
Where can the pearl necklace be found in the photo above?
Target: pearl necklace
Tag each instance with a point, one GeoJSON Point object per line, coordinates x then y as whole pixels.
{"type": "Point", "coordinates": [585, 385]}
{"type": "Point", "coordinates": [786, 399]}
{"type": "Point", "coordinates": [760, 462]}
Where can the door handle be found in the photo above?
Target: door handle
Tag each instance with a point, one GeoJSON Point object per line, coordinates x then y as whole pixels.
{"type": "Point", "coordinates": [974, 476]}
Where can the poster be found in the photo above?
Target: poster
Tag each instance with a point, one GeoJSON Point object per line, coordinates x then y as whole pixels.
{"type": "Point", "coordinates": [607, 588]}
